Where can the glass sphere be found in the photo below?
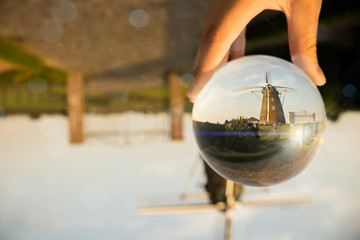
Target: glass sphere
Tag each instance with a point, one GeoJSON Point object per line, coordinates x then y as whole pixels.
{"type": "Point", "coordinates": [259, 120]}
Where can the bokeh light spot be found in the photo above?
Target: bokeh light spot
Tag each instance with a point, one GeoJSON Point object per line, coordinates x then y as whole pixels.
{"type": "Point", "coordinates": [349, 90]}
{"type": "Point", "coordinates": [94, 198]}
{"type": "Point", "coordinates": [186, 79]}
{"type": "Point", "coordinates": [139, 18]}
{"type": "Point", "coordinates": [51, 31]}
{"type": "Point", "coordinates": [18, 186]}
{"type": "Point", "coordinates": [37, 84]}
{"type": "Point", "coordinates": [65, 11]}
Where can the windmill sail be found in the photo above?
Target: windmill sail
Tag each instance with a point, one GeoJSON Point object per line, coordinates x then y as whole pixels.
{"type": "Point", "coordinates": [272, 111]}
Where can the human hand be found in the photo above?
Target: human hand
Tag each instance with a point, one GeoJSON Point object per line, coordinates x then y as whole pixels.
{"type": "Point", "coordinates": [224, 35]}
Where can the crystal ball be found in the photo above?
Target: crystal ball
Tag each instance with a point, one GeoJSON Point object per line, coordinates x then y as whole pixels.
{"type": "Point", "coordinates": [259, 120]}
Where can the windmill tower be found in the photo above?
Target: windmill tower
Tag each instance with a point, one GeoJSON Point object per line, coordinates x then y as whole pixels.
{"type": "Point", "coordinates": [271, 107]}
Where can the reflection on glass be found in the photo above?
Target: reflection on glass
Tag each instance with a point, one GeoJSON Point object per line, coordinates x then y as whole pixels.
{"type": "Point", "coordinates": [259, 121]}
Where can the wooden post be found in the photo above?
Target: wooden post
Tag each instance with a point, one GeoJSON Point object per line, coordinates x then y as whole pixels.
{"type": "Point", "coordinates": [75, 108]}
{"type": "Point", "coordinates": [314, 124]}
{"type": "Point", "coordinates": [176, 103]}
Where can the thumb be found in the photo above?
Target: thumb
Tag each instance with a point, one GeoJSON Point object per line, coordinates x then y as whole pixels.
{"type": "Point", "coordinates": [302, 17]}
{"type": "Point", "coordinates": [310, 66]}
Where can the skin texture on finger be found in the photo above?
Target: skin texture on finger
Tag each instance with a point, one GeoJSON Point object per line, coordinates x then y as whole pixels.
{"type": "Point", "coordinates": [225, 21]}
{"type": "Point", "coordinates": [201, 79]}
{"type": "Point", "coordinates": [302, 18]}
{"type": "Point", "coordinates": [228, 18]}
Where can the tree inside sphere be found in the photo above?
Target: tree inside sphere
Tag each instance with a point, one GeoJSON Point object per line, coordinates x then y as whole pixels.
{"type": "Point", "coordinates": [259, 121]}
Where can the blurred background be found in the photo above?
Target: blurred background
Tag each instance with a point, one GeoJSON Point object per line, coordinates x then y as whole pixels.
{"type": "Point", "coordinates": [94, 121]}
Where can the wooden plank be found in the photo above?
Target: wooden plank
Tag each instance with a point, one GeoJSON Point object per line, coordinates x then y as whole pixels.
{"type": "Point", "coordinates": [75, 107]}
{"type": "Point", "coordinates": [176, 103]}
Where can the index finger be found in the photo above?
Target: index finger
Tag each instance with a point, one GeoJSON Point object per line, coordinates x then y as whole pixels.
{"type": "Point", "coordinates": [225, 21]}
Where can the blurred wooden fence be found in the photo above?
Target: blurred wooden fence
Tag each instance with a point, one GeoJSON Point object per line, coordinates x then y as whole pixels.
{"type": "Point", "coordinates": [100, 119]}
{"type": "Point", "coordinates": [127, 128]}
{"type": "Point", "coordinates": [17, 98]}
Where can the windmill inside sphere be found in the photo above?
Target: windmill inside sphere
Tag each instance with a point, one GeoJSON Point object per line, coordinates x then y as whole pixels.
{"type": "Point", "coordinates": [271, 107]}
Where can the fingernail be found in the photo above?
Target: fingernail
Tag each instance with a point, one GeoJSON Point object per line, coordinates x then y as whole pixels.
{"type": "Point", "coordinates": [191, 84]}
{"type": "Point", "coordinates": [321, 76]}
{"type": "Point", "coordinates": [190, 95]}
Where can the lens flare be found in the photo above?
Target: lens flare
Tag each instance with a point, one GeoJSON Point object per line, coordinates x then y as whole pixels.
{"type": "Point", "coordinates": [259, 120]}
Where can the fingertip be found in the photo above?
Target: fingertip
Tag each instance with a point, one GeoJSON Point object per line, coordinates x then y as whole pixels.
{"type": "Point", "coordinates": [197, 84]}
{"type": "Point", "coordinates": [190, 94]}
{"type": "Point", "coordinates": [311, 67]}
{"type": "Point", "coordinates": [318, 78]}
{"type": "Point", "coordinates": [320, 82]}
{"type": "Point", "coordinates": [321, 79]}
{"type": "Point", "coordinates": [316, 75]}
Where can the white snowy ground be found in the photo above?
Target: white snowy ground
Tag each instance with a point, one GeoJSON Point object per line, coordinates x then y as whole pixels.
{"type": "Point", "coordinates": [50, 190]}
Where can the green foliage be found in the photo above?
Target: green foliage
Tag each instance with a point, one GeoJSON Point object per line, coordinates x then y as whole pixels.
{"type": "Point", "coordinates": [28, 65]}
{"type": "Point", "coordinates": [151, 93]}
{"type": "Point", "coordinates": [241, 136]}
{"type": "Point", "coordinates": [53, 75]}
{"type": "Point", "coordinates": [12, 76]}
{"type": "Point", "coordinates": [18, 56]}
{"type": "Point", "coordinates": [17, 98]}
